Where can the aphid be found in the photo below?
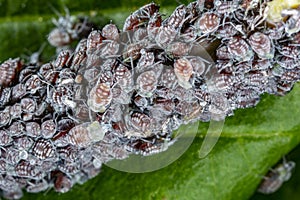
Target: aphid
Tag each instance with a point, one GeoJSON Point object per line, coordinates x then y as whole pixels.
{"type": "Point", "coordinates": [59, 38]}
{"type": "Point", "coordinates": [290, 76]}
{"type": "Point", "coordinates": [16, 128]}
{"type": "Point", "coordinates": [18, 91]}
{"type": "Point", "coordinates": [43, 149]}
{"type": "Point", "coordinates": [69, 153]}
{"type": "Point", "coordinates": [63, 59]}
{"type": "Point", "coordinates": [146, 83]}
{"type": "Point", "coordinates": [28, 105]}
{"type": "Point", "coordinates": [58, 97]}
{"type": "Point", "coordinates": [246, 97]}
{"type": "Point", "coordinates": [37, 186]}
{"type": "Point", "coordinates": [168, 78]}
{"type": "Point", "coordinates": [5, 138]}
{"type": "Point", "coordinates": [176, 19]}
{"type": "Point", "coordinates": [222, 82]}
{"type": "Point", "coordinates": [82, 135]}
{"type": "Point", "coordinates": [33, 129]}
{"type": "Point", "coordinates": [139, 125]}
{"type": "Point", "coordinates": [183, 70]}
{"type": "Point", "coordinates": [99, 97]}
{"type": "Point", "coordinates": [239, 49]}
{"type": "Point", "coordinates": [165, 36]}
{"type": "Point", "coordinates": [48, 73]}
{"type": "Point", "coordinates": [207, 23]}
{"type": "Point", "coordinates": [292, 52]}
{"type": "Point", "coordinates": [276, 177]}
{"type": "Point", "coordinates": [48, 128]}
{"type": "Point", "coordinates": [227, 30]}
{"type": "Point", "coordinates": [25, 169]}
{"type": "Point", "coordinates": [62, 183]}
{"type": "Point", "coordinates": [262, 45]}
{"type": "Point", "coordinates": [5, 117]}
{"type": "Point", "coordinates": [198, 65]}
{"type": "Point", "coordinates": [222, 53]}
{"type": "Point", "coordinates": [153, 25]}
{"type": "Point", "coordinates": [120, 96]}
{"type": "Point", "coordinates": [108, 49]}
{"type": "Point", "coordinates": [25, 73]}
{"type": "Point", "coordinates": [139, 16]}
{"type": "Point", "coordinates": [188, 34]}
{"type": "Point", "coordinates": [261, 65]}
{"type": "Point", "coordinates": [123, 77]}
{"type": "Point", "coordinates": [110, 32]}
{"type": "Point", "coordinates": [242, 67]}
{"type": "Point", "coordinates": [5, 96]}
{"type": "Point", "coordinates": [177, 49]}
{"type": "Point", "coordinates": [33, 84]}
{"type": "Point", "coordinates": [288, 62]}
{"type": "Point", "coordinates": [132, 51]}
{"type": "Point", "coordinates": [226, 7]}
{"type": "Point", "coordinates": [13, 156]}
{"type": "Point", "coordinates": [93, 41]}
{"type": "Point", "coordinates": [23, 142]}
{"type": "Point", "coordinates": [292, 25]}
{"type": "Point", "coordinates": [9, 70]}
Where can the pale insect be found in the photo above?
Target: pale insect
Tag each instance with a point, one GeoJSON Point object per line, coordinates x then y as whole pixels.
{"type": "Point", "coordinates": [262, 45]}
{"type": "Point", "coordinates": [218, 113]}
{"type": "Point", "coordinates": [276, 177]}
{"type": "Point", "coordinates": [183, 70]}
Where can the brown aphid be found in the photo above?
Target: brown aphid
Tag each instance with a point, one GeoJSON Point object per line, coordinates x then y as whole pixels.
{"type": "Point", "coordinates": [256, 79]}
{"type": "Point", "coordinates": [48, 128]}
{"type": "Point", "coordinates": [239, 49]}
{"type": "Point", "coordinates": [207, 23]}
{"type": "Point", "coordinates": [146, 83]}
{"type": "Point", "coordinates": [69, 152]}
{"type": "Point", "coordinates": [5, 138]}
{"type": "Point", "coordinates": [25, 169]}
{"type": "Point", "coordinates": [168, 78]}
{"type": "Point", "coordinates": [33, 84]}
{"type": "Point", "coordinates": [28, 105]}
{"type": "Point", "coordinates": [139, 16]}
{"type": "Point", "coordinates": [16, 111]}
{"type": "Point", "coordinates": [223, 82]}
{"type": "Point", "coordinates": [290, 76]}
{"type": "Point", "coordinates": [108, 49]}
{"type": "Point", "coordinates": [26, 73]}
{"type": "Point", "coordinates": [288, 62]}
{"type": "Point", "coordinates": [63, 59]}
{"type": "Point", "coordinates": [110, 32]}
{"type": "Point", "coordinates": [165, 36]}
{"type": "Point", "coordinates": [16, 128]}
{"type": "Point", "coordinates": [177, 18]}
{"type": "Point", "coordinates": [123, 77]}
{"type": "Point", "coordinates": [48, 73]}
{"type": "Point", "coordinates": [9, 70]}
{"type": "Point", "coordinates": [5, 117]}
{"type": "Point", "coordinates": [62, 183]}
{"type": "Point", "coordinates": [79, 136]}
{"type": "Point", "coordinates": [153, 25]}
{"type": "Point", "coordinates": [290, 51]}
{"type": "Point", "coordinates": [246, 97]}
{"type": "Point", "coordinates": [226, 7]}
{"type": "Point", "coordinates": [141, 123]}
{"type": "Point", "coordinates": [5, 96]}
{"type": "Point", "coordinates": [183, 70]}
{"type": "Point", "coordinates": [262, 45]}
{"type": "Point", "coordinates": [59, 38]}
{"type": "Point", "coordinates": [95, 38]}
{"type": "Point", "coordinates": [18, 91]}
{"type": "Point", "coordinates": [43, 149]}
{"type": "Point", "coordinates": [23, 142]}
{"type": "Point", "coordinates": [146, 61]}
{"type": "Point", "coordinates": [227, 31]}
{"type": "Point", "coordinates": [100, 97]}
{"type": "Point", "coordinates": [276, 177]}
{"type": "Point", "coordinates": [132, 51]}
{"type": "Point", "coordinates": [177, 49]}
{"type": "Point", "coordinates": [33, 129]}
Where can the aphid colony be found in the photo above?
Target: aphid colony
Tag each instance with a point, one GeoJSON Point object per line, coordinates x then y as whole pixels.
{"type": "Point", "coordinates": [125, 92]}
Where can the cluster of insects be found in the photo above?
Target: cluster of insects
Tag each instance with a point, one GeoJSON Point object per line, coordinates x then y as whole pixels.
{"type": "Point", "coordinates": [122, 92]}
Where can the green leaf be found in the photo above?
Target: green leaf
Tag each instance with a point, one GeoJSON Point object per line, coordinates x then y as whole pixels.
{"type": "Point", "coordinates": [252, 141]}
